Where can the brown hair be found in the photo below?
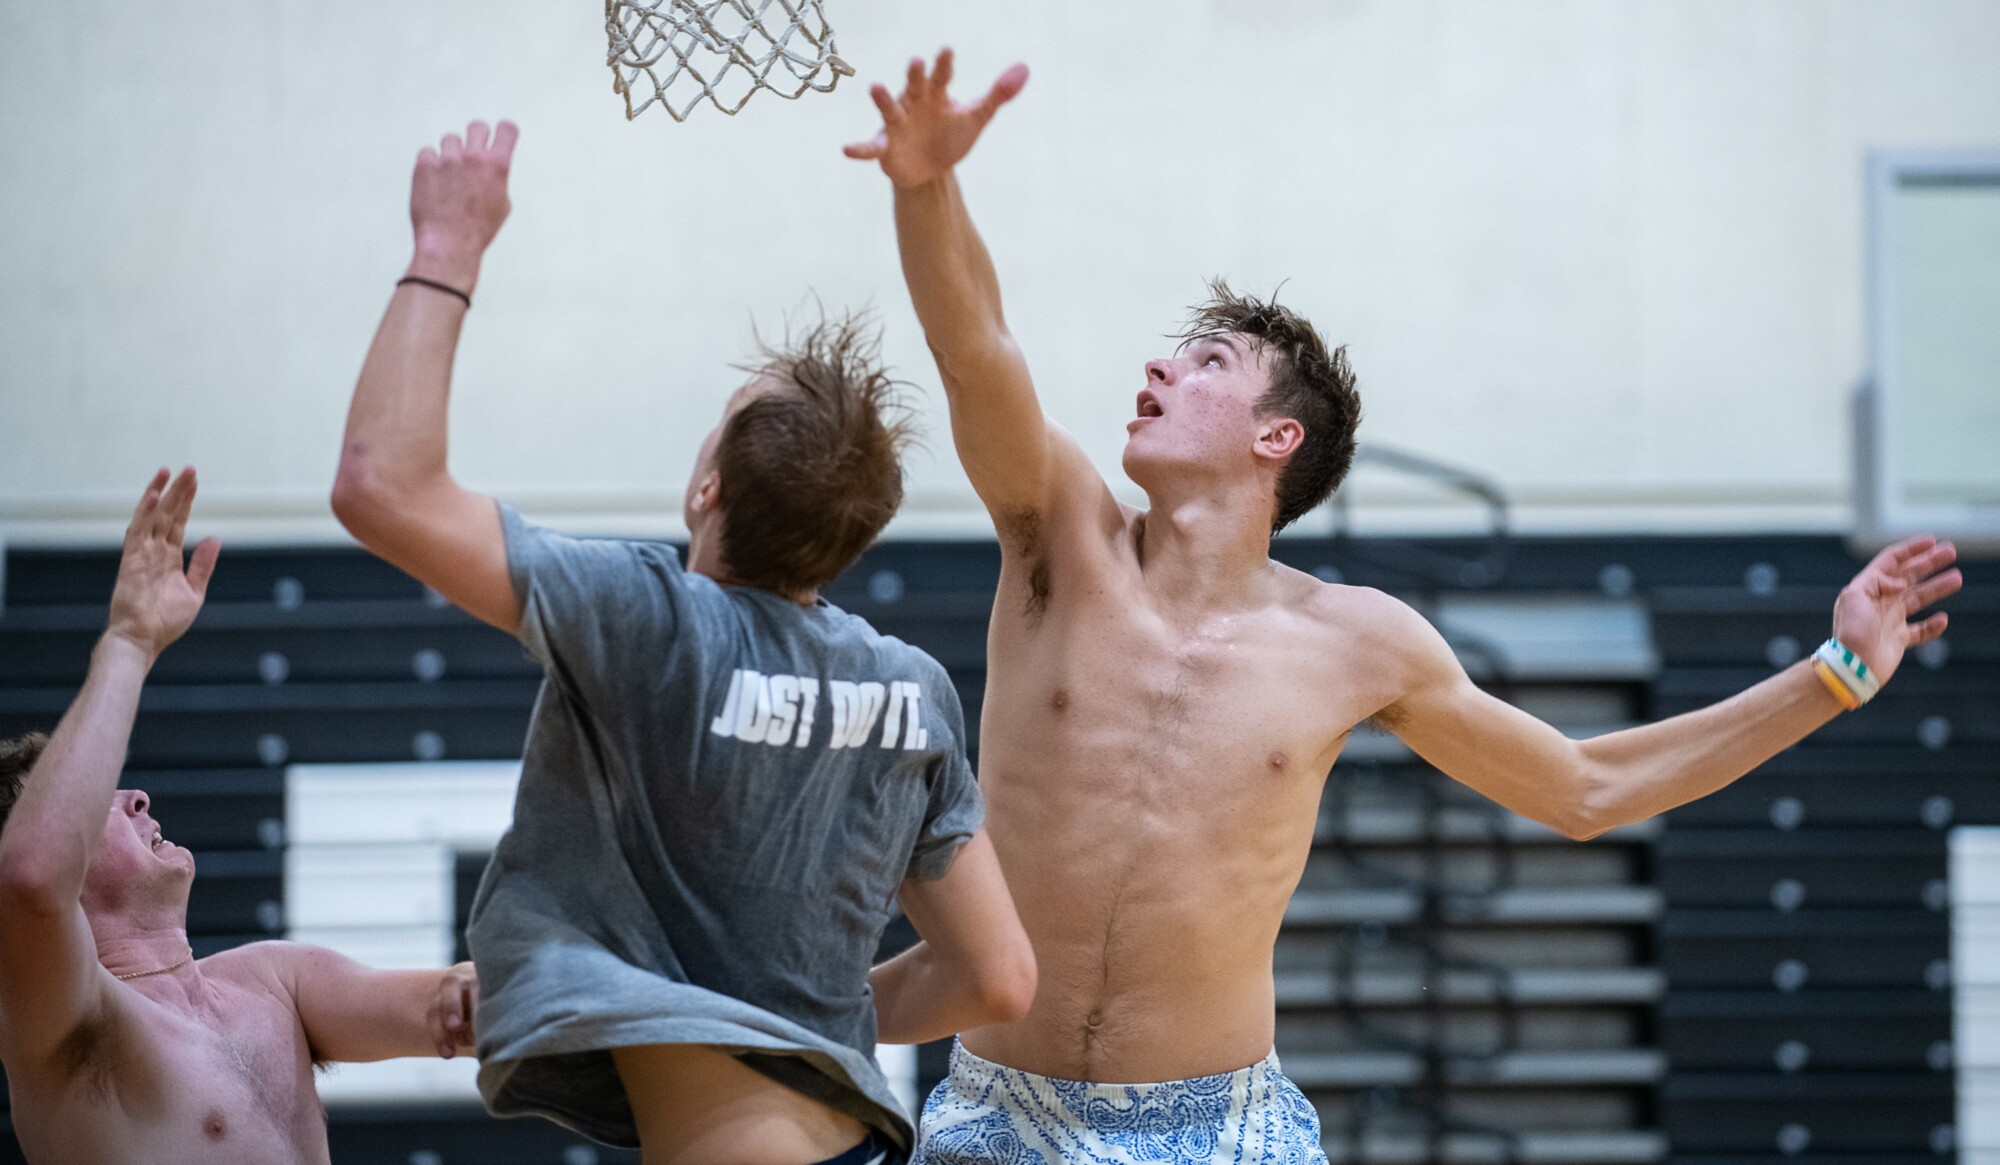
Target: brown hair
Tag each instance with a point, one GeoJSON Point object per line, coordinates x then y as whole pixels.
{"type": "Point", "coordinates": [17, 756]}
{"type": "Point", "coordinates": [811, 473]}
{"type": "Point", "coordinates": [1309, 384]}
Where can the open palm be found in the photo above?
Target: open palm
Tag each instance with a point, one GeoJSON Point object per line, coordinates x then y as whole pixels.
{"type": "Point", "coordinates": [155, 600]}
{"type": "Point", "coordinates": [1873, 613]}
{"type": "Point", "coordinates": [924, 132]}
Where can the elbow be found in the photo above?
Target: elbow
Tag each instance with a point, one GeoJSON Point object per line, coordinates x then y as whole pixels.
{"type": "Point", "coordinates": [1007, 990]}
{"type": "Point", "coordinates": [366, 499]}
{"type": "Point", "coordinates": [357, 493]}
{"type": "Point", "coordinates": [1591, 810]}
{"type": "Point", "coordinates": [30, 885]}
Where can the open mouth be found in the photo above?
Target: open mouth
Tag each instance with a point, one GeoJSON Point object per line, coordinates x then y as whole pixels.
{"type": "Point", "coordinates": [1149, 405]}
{"type": "Point", "coordinates": [158, 839]}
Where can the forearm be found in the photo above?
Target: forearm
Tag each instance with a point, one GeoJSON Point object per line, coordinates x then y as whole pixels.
{"type": "Point", "coordinates": [59, 821]}
{"type": "Point", "coordinates": [919, 999]}
{"type": "Point", "coordinates": [1640, 772]}
{"type": "Point", "coordinates": [356, 1014]}
{"type": "Point", "coordinates": [397, 425]}
{"type": "Point", "coordinates": [951, 278]}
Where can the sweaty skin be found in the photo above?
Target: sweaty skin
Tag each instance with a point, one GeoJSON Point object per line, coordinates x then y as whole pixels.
{"type": "Point", "coordinates": [1153, 794]}
{"type": "Point", "coordinates": [119, 1047]}
{"type": "Point", "coordinates": [1163, 701]}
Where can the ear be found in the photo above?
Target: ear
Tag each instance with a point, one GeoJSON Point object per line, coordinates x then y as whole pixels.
{"type": "Point", "coordinates": [1279, 438]}
{"type": "Point", "coordinates": [707, 494]}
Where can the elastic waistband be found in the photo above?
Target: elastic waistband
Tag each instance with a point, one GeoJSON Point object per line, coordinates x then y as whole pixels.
{"type": "Point", "coordinates": [976, 1071]}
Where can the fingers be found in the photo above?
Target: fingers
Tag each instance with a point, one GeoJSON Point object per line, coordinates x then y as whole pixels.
{"type": "Point", "coordinates": [1925, 563]}
{"type": "Point", "coordinates": [178, 505]}
{"type": "Point", "coordinates": [1924, 632]}
{"type": "Point", "coordinates": [475, 137]}
{"type": "Point", "coordinates": [915, 88]}
{"type": "Point", "coordinates": [888, 106]}
{"type": "Point", "coordinates": [451, 147]}
{"type": "Point", "coordinates": [869, 150]}
{"type": "Point", "coordinates": [1004, 90]}
{"type": "Point", "coordinates": [202, 565]}
{"type": "Point", "coordinates": [941, 72]}
{"type": "Point", "coordinates": [504, 137]}
{"type": "Point", "coordinates": [1932, 590]}
{"type": "Point", "coordinates": [142, 513]}
{"type": "Point", "coordinates": [451, 1015]}
{"type": "Point", "coordinates": [1892, 558]}
{"type": "Point", "coordinates": [160, 520]}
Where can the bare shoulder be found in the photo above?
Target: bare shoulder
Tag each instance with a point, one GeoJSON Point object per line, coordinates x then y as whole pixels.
{"type": "Point", "coordinates": [271, 967]}
{"type": "Point", "coordinates": [1375, 616]}
{"type": "Point", "coordinates": [1398, 647]}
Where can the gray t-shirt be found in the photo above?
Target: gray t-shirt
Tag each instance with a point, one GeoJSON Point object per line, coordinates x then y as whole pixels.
{"type": "Point", "coordinates": [720, 793]}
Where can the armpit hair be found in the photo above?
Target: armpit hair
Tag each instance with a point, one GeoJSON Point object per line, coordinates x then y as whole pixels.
{"type": "Point", "coordinates": [85, 1053]}
{"type": "Point", "coordinates": [1387, 720]}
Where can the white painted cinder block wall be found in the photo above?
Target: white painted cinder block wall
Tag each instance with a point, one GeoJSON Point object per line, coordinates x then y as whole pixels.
{"type": "Point", "coordinates": [1610, 253]}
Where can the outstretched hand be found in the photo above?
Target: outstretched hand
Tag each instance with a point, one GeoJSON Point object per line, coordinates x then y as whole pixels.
{"type": "Point", "coordinates": [458, 201]}
{"type": "Point", "coordinates": [924, 132]}
{"type": "Point", "coordinates": [1872, 615]}
{"type": "Point", "coordinates": [450, 1017]}
{"type": "Point", "coordinates": [155, 600]}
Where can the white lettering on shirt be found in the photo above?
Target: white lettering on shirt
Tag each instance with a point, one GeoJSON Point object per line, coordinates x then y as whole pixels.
{"type": "Point", "coordinates": [780, 709]}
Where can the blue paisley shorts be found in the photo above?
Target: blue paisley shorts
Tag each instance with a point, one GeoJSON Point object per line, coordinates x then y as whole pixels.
{"type": "Point", "coordinates": [995, 1115]}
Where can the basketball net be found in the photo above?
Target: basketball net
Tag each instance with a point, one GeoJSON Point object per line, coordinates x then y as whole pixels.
{"type": "Point", "coordinates": [679, 53]}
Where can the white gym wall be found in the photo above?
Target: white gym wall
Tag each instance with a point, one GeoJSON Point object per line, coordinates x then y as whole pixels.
{"type": "Point", "coordinates": [1608, 253]}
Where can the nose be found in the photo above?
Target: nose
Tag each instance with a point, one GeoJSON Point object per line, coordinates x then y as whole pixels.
{"type": "Point", "coordinates": [135, 802]}
{"type": "Point", "coordinates": [1159, 372]}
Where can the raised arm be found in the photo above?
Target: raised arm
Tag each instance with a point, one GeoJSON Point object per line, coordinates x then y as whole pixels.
{"type": "Point", "coordinates": [352, 1013]}
{"type": "Point", "coordinates": [1583, 788]}
{"type": "Point", "coordinates": [395, 492]}
{"type": "Point", "coordinates": [974, 966]}
{"type": "Point", "coordinates": [1017, 461]}
{"type": "Point", "coordinates": [50, 979]}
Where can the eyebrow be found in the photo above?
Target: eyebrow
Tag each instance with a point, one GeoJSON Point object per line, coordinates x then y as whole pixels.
{"type": "Point", "coordinates": [1222, 338]}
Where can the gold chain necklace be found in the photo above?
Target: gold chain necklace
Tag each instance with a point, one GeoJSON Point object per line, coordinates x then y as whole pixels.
{"type": "Point", "coordinates": [161, 971]}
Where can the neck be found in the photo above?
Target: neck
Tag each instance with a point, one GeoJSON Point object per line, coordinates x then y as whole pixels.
{"type": "Point", "coordinates": [133, 946]}
{"type": "Point", "coordinates": [1207, 548]}
{"type": "Point", "coordinates": [705, 559]}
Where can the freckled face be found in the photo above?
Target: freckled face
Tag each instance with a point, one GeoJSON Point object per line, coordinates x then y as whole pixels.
{"type": "Point", "coordinates": [135, 861]}
{"type": "Point", "coordinates": [1199, 407]}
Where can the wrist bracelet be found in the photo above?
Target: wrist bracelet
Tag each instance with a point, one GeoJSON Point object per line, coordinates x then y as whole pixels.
{"type": "Point", "coordinates": [435, 286]}
{"type": "Point", "coordinates": [1848, 700]}
{"type": "Point", "coordinates": [1836, 662]}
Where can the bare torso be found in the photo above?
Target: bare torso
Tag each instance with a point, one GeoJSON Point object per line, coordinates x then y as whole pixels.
{"type": "Point", "coordinates": [207, 1064]}
{"type": "Point", "coordinates": [1153, 780]}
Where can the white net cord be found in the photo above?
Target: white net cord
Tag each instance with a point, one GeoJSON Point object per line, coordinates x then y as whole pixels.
{"type": "Point", "coordinates": [720, 51]}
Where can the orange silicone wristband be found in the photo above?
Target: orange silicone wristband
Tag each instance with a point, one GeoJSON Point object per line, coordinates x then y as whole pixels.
{"type": "Point", "coordinates": [1848, 700]}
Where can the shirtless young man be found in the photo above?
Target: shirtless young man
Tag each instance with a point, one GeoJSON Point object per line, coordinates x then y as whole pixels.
{"type": "Point", "coordinates": [120, 1045]}
{"type": "Point", "coordinates": [1164, 702]}
{"type": "Point", "coordinates": [727, 783]}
